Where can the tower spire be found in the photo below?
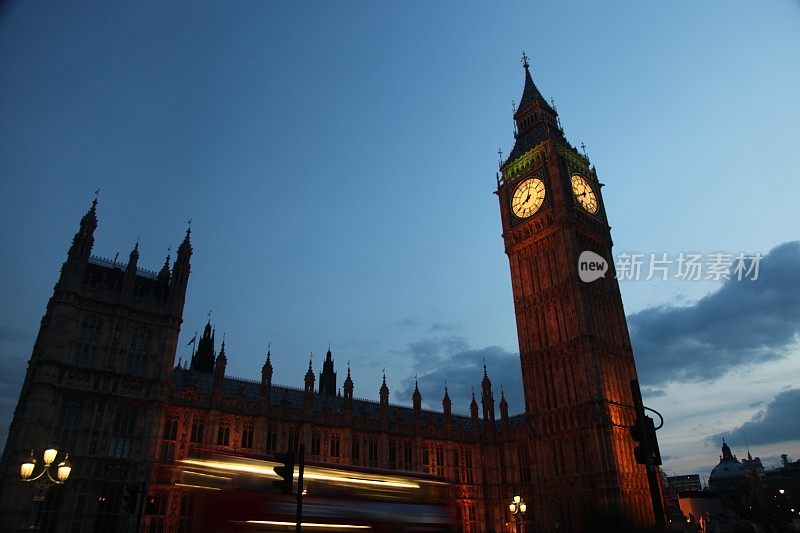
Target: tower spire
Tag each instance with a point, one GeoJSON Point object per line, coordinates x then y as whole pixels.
{"type": "Point", "coordinates": [268, 363]}
{"type": "Point", "coordinates": [83, 240]}
{"type": "Point", "coordinates": [203, 358]}
{"type": "Point", "coordinates": [163, 274]}
{"type": "Point", "coordinates": [473, 411]}
{"type": "Point", "coordinates": [327, 377]}
{"type": "Point", "coordinates": [309, 381]}
{"type": "Point", "coordinates": [503, 408]}
{"type": "Point", "coordinates": [384, 391]}
{"type": "Point", "coordinates": [348, 394]}
{"type": "Point", "coordinates": [530, 92]}
{"type": "Point", "coordinates": [535, 118]}
{"type": "Point", "coordinates": [133, 261]}
{"type": "Point", "coordinates": [266, 382]}
{"type": "Point", "coordinates": [220, 365]}
{"type": "Point", "coordinates": [181, 269]}
{"type": "Point", "coordinates": [417, 404]}
{"type": "Point", "coordinates": [447, 408]}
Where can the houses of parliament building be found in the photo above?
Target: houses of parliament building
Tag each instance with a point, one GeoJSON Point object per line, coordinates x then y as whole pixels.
{"type": "Point", "coordinates": [102, 383]}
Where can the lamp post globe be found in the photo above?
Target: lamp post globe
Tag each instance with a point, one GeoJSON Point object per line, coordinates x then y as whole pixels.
{"type": "Point", "coordinates": [518, 507]}
{"type": "Point", "coordinates": [63, 469]}
{"type": "Point", "coordinates": [50, 456]}
{"type": "Point", "coordinates": [26, 470]}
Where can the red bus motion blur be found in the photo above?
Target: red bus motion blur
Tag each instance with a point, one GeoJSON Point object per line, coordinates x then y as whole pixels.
{"type": "Point", "coordinates": [235, 493]}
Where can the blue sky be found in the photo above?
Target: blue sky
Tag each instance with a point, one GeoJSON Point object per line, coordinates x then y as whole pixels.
{"type": "Point", "coordinates": [338, 161]}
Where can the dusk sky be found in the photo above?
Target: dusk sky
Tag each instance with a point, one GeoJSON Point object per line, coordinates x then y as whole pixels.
{"type": "Point", "coordinates": [337, 160]}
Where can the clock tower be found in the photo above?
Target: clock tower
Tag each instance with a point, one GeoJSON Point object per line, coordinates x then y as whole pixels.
{"type": "Point", "coordinates": [575, 352]}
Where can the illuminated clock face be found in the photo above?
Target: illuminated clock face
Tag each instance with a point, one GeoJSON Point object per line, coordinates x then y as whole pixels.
{"type": "Point", "coordinates": [584, 194]}
{"type": "Point", "coordinates": [528, 197]}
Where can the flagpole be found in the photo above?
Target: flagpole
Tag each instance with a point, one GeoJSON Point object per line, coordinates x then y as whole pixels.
{"type": "Point", "coordinates": [193, 342]}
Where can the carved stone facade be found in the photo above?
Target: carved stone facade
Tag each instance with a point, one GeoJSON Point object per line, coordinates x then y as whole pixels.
{"type": "Point", "coordinates": [101, 384]}
{"type": "Point", "coordinates": [96, 386]}
{"type": "Point", "coordinates": [480, 458]}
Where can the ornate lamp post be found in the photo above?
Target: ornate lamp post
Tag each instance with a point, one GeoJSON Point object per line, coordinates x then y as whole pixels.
{"type": "Point", "coordinates": [61, 474]}
{"type": "Point", "coordinates": [518, 507]}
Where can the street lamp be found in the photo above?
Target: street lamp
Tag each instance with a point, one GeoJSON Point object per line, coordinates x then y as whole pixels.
{"type": "Point", "coordinates": [62, 471]}
{"type": "Point", "coordinates": [518, 508]}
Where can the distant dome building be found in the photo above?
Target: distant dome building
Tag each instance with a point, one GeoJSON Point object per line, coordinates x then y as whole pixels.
{"type": "Point", "coordinates": [728, 472]}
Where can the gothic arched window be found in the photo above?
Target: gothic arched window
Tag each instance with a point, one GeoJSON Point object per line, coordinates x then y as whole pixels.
{"type": "Point", "coordinates": [465, 466]}
{"type": "Point", "coordinates": [524, 465]}
{"type": "Point", "coordinates": [316, 442]}
{"type": "Point", "coordinates": [68, 421]}
{"type": "Point", "coordinates": [170, 436]}
{"type": "Point", "coordinates": [137, 353]}
{"type": "Point", "coordinates": [335, 448]}
{"type": "Point", "coordinates": [272, 438]}
{"type": "Point", "coordinates": [247, 437]}
{"type": "Point", "coordinates": [88, 341]}
{"type": "Point", "coordinates": [224, 434]}
{"type": "Point", "coordinates": [122, 433]}
{"type": "Point", "coordinates": [197, 431]}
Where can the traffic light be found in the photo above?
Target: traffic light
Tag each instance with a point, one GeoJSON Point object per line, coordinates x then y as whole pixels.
{"type": "Point", "coordinates": [652, 441]}
{"type": "Point", "coordinates": [643, 432]}
{"type": "Point", "coordinates": [130, 497]}
{"type": "Point", "coordinates": [637, 433]}
{"type": "Point", "coordinates": [150, 506]}
{"type": "Point", "coordinates": [285, 471]}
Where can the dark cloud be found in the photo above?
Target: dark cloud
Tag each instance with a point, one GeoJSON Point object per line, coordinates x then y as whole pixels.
{"type": "Point", "coordinates": [437, 326]}
{"type": "Point", "coordinates": [778, 422]}
{"type": "Point", "coordinates": [12, 373]}
{"type": "Point", "coordinates": [407, 322]}
{"type": "Point", "coordinates": [756, 404]}
{"type": "Point", "coordinates": [653, 393]}
{"type": "Point", "coordinates": [451, 359]}
{"type": "Point", "coordinates": [745, 322]}
{"type": "Point", "coordinates": [444, 326]}
{"type": "Point", "coordinates": [9, 334]}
